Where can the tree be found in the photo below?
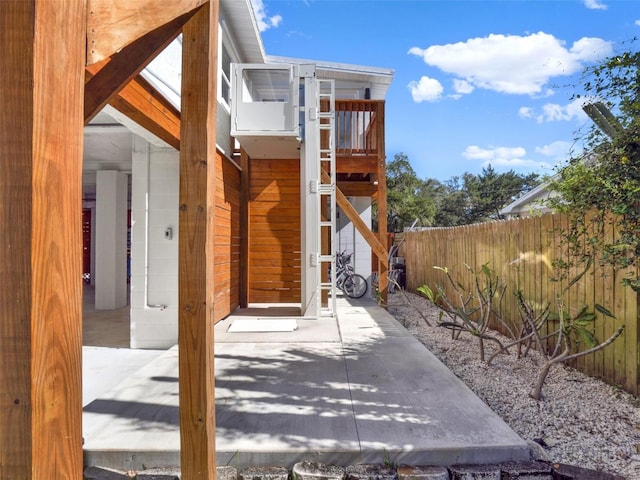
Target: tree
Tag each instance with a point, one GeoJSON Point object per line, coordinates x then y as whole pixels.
{"type": "Point", "coordinates": [491, 191]}
{"type": "Point", "coordinates": [600, 192]}
{"type": "Point", "coordinates": [406, 196]}
{"type": "Point", "coordinates": [452, 203]}
{"type": "Point", "coordinates": [461, 200]}
{"type": "Point", "coordinates": [472, 198]}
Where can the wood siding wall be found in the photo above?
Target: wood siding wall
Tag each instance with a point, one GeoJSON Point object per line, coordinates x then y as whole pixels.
{"type": "Point", "coordinates": [521, 252]}
{"type": "Point", "coordinates": [227, 243]}
{"type": "Point", "coordinates": [274, 231]}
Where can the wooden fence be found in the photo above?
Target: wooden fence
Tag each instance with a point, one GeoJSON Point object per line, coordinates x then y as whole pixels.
{"type": "Point", "coordinates": [521, 252]}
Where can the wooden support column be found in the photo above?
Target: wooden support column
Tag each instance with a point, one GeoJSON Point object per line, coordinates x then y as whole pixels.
{"type": "Point", "coordinates": [41, 120]}
{"type": "Point", "coordinates": [383, 262]}
{"type": "Point", "coordinates": [196, 250]}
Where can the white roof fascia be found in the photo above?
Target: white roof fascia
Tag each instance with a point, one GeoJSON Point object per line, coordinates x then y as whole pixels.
{"type": "Point", "coordinates": [536, 194]}
{"type": "Point", "coordinates": [380, 78]}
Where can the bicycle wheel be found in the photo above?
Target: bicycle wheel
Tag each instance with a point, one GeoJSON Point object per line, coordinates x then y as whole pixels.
{"type": "Point", "coordinates": [355, 286]}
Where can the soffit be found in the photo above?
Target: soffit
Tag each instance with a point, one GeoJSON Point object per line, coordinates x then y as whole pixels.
{"type": "Point", "coordinates": [239, 19]}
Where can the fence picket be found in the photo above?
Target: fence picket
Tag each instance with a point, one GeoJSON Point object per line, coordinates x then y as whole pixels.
{"type": "Point", "coordinates": [521, 252]}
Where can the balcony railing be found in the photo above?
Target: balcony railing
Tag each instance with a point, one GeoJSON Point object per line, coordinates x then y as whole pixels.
{"type": "Point", "coordinates": [359, 127]}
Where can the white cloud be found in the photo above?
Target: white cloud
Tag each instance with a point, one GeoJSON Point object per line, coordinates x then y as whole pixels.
{"type": "Point", "coordinates": [426, 90]}
{"type": "Point", "coordinates": [462, 86]}
{"type": "Point", "coordinates": [502, 157]}
{"type": "Point", "coordinates": [511, 63]}
{"type": "Point", "coordinates": [553, 112]}
{"type": "Point", "coordinates": [594, 5]}
{"type": "Point", "coordinates": [264, 21]}
{"type": "Point", "coordinates": [558, 151]}
{"type": "Point", "coordinates": [638, 23]}
{"type": "Point", "coordinates": [473, 152]}
{"type": "Point", "coordinates": [525, 112]}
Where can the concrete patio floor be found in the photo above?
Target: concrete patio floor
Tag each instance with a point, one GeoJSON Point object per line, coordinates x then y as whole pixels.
{"type": "Point", "coordinates": [356, 389]}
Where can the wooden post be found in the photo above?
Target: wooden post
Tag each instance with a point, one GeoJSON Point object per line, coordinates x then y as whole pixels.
{"type": "Point", "coordinates": [383, 262]}
{"type": "Point", "coordinates": [41, 120]}
{"type": "Point", "coordinates": [196, 250]}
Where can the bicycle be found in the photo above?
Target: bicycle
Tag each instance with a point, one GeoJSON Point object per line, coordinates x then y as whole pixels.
{"type": "Point", "coordinates": [351, 283]}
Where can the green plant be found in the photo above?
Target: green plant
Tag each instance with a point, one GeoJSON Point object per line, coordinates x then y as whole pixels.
{"type": "Point", "coordinates": [471, 308]}
{"type": "Point", "coordinates": [598, 191]}
{"type": "Point", "coordinates": [569, 332]}
{"type": "Point", "coordinates": [408, 302]}
{"type": "Point", "coordinates": [531, 323]}
{"type": "Point", "coordinates": [568, 336]}
{"type": "Point", "coordinates": [388, 462]}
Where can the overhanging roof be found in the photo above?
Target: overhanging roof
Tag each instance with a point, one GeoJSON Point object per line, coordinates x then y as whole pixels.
{"type": "Point", "coordinates": [239, 18]}
{"type": "Point", "coordinates": [379, 78]}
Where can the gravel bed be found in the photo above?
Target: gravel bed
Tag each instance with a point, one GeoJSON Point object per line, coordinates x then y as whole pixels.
{"type": "Point", "coordinates": [580, 421]}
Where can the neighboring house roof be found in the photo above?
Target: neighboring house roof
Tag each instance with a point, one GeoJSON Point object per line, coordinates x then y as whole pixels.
{"type": "Point", "coordinates": [531, 202]}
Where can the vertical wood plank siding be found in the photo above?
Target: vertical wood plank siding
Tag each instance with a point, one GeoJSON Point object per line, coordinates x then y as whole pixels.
{"type": "Point", "coordinates": [227, 239]}
{"type": "Point", "coordinates": [274, 231]}
{"type": "Point", "coordinates": [521, 252]}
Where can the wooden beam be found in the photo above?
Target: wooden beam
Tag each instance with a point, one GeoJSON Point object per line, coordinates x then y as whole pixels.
{"type": "Point", "coordinates": [108, 78]}
{"type": "Point", "coordinates": [41, 137]}
{"type": "Point", "coordinates": [114, 24]}
{"type": "Point", "coordinates": [357, 165]}
{"type": "Point", "coordinates": [196, 251]}
{"type": "Point", "coordinates": [352, 214]}
{"type": "Point", "coordinates": [148, 108]}
{"type": "Point", "coordinates": [357, 189]}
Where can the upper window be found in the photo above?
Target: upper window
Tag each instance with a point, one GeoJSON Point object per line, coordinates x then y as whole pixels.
{"type": "Point", "coordinates": [225, 75]}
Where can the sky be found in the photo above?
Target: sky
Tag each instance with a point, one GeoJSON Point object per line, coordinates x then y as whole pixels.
{"type": "Point", "coordinates": [476, 82]}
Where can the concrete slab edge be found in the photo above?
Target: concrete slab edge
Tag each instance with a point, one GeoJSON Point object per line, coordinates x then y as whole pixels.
{"type": "Point", "coordinates": [306, 470]}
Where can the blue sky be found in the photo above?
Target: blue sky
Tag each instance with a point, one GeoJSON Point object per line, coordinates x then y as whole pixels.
{"type": "Point", "coordinates": [476, 82]}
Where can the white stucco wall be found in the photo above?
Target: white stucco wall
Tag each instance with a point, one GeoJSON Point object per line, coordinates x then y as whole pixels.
{"type": "Point", "coordinates": [154, 258]}
{"type": "Point", "coordinates": [349, 238]}
{"type": "Point", "coordinates": [111, 240]}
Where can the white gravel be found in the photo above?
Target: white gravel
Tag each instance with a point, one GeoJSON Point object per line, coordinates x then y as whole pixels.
{"type": "Point", "coordinates": [581, 420]}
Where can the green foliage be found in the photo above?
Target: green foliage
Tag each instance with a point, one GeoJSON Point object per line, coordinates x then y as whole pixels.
{"type": "Point", "coordinates": [600, 192]}
{"type": "Point", "coordinates": [558, 335]}
{"type": "Point", "coordinates": [459, 201]}
{"type": "Point", "coordinates": [491, 191]}
{"type": "Point", "coordinates": [388, 462]}
{"type": "Point", "coordinates": [470, 308]}
{"type": "Point", "coordinates": [406, 198]}
{"type": "Point", "coordinates": [427, 292]}
{"type": "Point", "coordinates": [472, 198]}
